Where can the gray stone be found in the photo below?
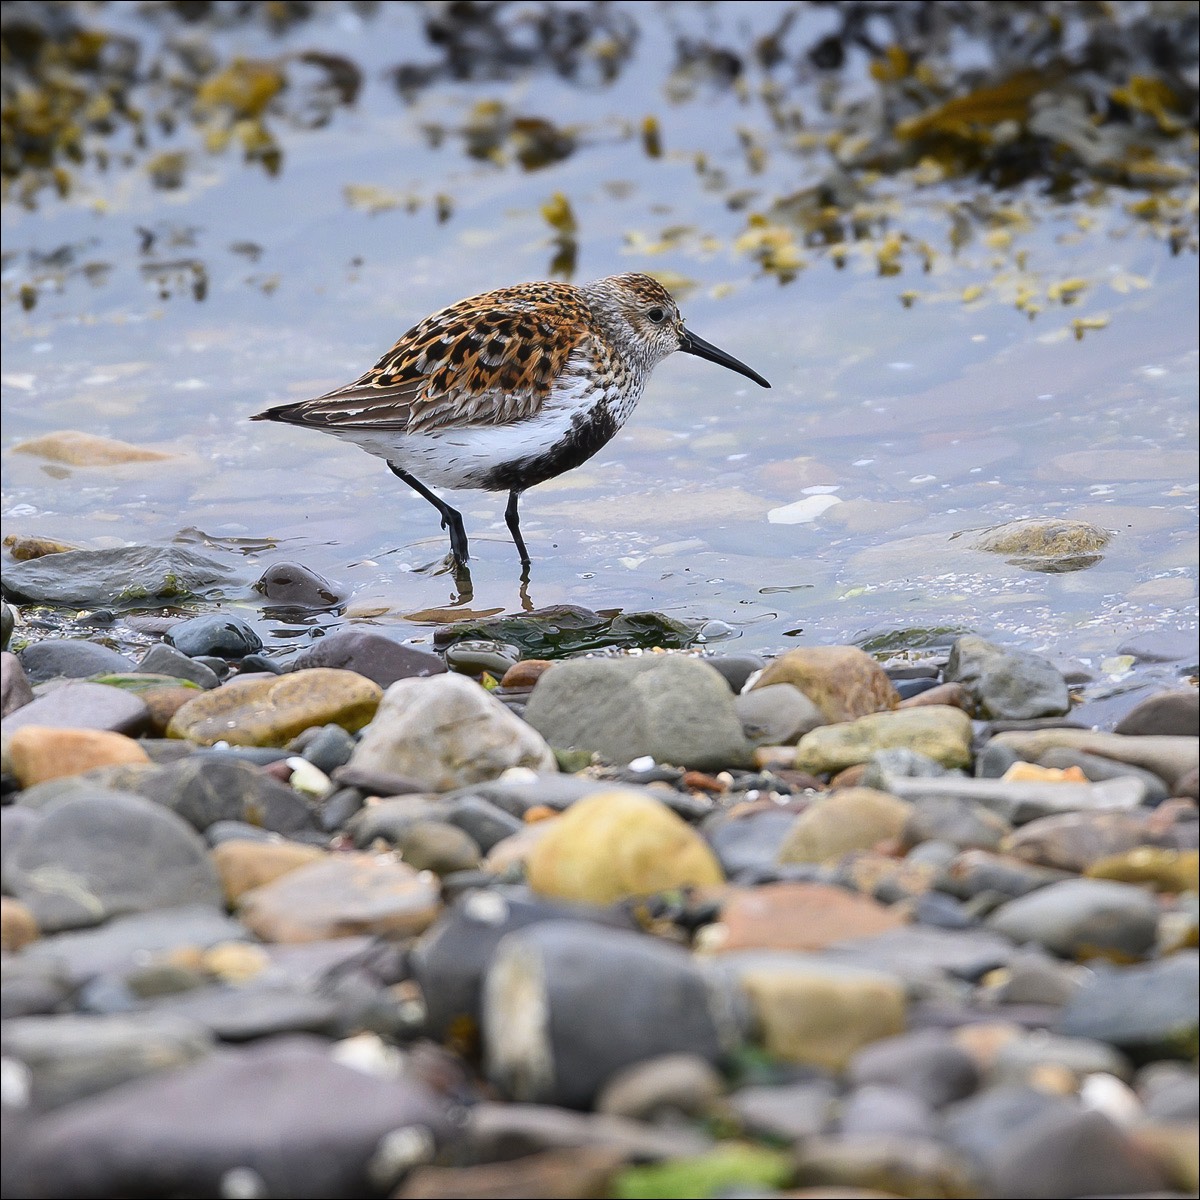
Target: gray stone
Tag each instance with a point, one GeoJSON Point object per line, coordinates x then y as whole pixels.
{"type": "Point", "coordinates": [88, 860]}
{"type": "Point", "coordinates": [1169, 1092]}
{"type": "Point", "coordinates": [15, 690]}
{"type": "Point", "coordinates": [1099, 770]}
{"type": "Point", "coordinates": [1020, 686]}
{"type": "Point", "coordinates": [82, 705]}
{"type": "Point", "coordinates": [295, 587]}
{"type": "Point", "coordinates": [1082, 918]}
{"type": "Point", "coordinates": [238, 1115]}
{"type": "Point", "coordinates": [1160, 646]}
{"type": "Point", "coordinates": [73, 1056]}
{"type": "Point", "coordinates": [1021, 801]}
{"type": "Point", "coordinates": [566, 1005]}
{"type": "Point", "coordinates": [1034, 977]}
{"type": "Point", "coordinates": [886, 1109]}
{"type": "Point", "coordinates": [736, 669]}
{"type": "Point", "coordinates": [447, 731]}
{"type": "Point", "coordinates": [71, 658]}
{"type": "Point", "coordinates": [389, 820]}
{"type": "Point", "coordinates": [439, 847]}
{"type": "Point", "coordinates": [776, 715]}
{"type": "Point", "coordinates": [788, 1111]}
{"type": "Point", "coordinates": [218, 634]}
{"type": "Point", "coordinates": [118, 944]}
{"type": "Point", "coordinates": [982, 1125]}
{"type": "Point", "coordinates": [247, 1011]}
{"type": "Point", "coordinates": [1148, 1011]}
{"type": "Point", "coordinates": [31, 986]}
{"type": "Point", "coordinates": [1070, 1152]}
{"type": "Point", "coordinates": [750, 842]}
{"type": "Point", "coordinates": [677, 710]}
{"type": "Point", "coordinates": [453, 955]}
{"type": "Point", "coordinates": [1018, 1060]}
{"type": "Point", "coordinates": [1170, 713]}
{"type": "Point", "coordinates": [209, 787]}
{"type": "Point", "coordinates": [668, 1086]}
{"type": "Point", "coordinates": [923, 955]}
{"type": "Point", "coordinates": [374, 655]}
{"type": "Point", "coordinates": [16, 821]}
{"type": "Point", "coordinates": [329, 748]}
{"type": "Point", "coordinates": [899, 763]}
{"type": "Point", "coordinates": [517, 796]}
{"type": "Point", "coordinates": [1007, 684]}
{"type": "Point", "coordinates": [485, 823]}
{"type": "Point", "coordinates": [497, 1132]}
{"type": "Point", "coordinates": [927, 1063]}
{"type": "Point", "coordinates": [162, 659]}
{"type": "Point", "coordinates": [955, 820]}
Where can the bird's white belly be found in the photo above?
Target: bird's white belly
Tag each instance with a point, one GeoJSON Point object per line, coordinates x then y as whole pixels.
{"type": "Point", "coordinates": [467, 456]}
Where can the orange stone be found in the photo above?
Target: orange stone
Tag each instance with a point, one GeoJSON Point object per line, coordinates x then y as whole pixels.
{"type": "Point", "coordinates": [799, 916]}
{"type": "Point", "coordinates": [42, 752]}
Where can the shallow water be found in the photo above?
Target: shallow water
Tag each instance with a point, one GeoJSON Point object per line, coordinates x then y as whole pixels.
{"type": "Point", "coordinates": [914, 395]}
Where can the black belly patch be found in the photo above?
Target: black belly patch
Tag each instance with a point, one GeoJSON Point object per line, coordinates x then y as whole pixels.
{"type": "Point", "coordinates": [589, 432]}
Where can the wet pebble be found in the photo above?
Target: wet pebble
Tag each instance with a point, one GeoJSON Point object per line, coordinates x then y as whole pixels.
{"type": "Point", "coordinates": [215, 634]}
{"type": "Point", "coordinates": [377, 657]}
{"type": "Point", "coordinates": [71, 658]}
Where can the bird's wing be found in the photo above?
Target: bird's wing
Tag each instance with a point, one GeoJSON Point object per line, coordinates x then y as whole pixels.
{"type": "Point", "coordinates": [489, 360]}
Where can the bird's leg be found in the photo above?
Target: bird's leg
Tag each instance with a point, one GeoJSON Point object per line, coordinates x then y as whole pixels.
{"type": "Point", "coordinates": [513, 520]}
{"type": "Point", "coordinates": [451, 517]}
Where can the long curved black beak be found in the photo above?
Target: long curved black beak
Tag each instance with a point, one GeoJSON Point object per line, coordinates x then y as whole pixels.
{"type": "Point", "coordinates": [689, 343]}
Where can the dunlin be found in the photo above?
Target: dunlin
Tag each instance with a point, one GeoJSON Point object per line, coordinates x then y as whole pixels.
{"type": "Point", "coordinates": [508, 389]}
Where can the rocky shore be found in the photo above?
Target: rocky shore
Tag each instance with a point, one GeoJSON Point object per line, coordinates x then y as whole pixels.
{"type": "Point", "coordinates": [654, 923]}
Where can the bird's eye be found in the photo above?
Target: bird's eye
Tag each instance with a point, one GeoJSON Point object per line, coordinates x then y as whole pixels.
{"type": "Point", "coordinates": [657, 315]}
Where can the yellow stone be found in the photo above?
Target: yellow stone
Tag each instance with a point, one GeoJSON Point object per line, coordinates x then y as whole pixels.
{"type": "Point", "coordinates": [1167, 870]}
{"type": "Point", "coordinates": [939, 730]}
{"type": "Point", "coordinates": [822, 1015]}
{"type": "Point", "coordinates": [271, 710]}
{"type": "Point", "coordinates": [856, 818]}
{"type": "Point", "coordinates": [617, 844]}
{"type": "Point", "coordinates": [41, 752]}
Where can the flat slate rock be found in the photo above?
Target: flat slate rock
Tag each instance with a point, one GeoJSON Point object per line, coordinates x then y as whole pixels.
{"type": "Point", "coordinates": [126, 575]}
{"type": "Point", "coordinates": [88, 860]}
{"type": "Point", "coordinates": [249, 1112]}
{"type": "Point", "coordinates": [83, 705]}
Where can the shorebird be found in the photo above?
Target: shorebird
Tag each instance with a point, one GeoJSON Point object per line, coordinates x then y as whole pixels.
{"type": "Point", "coordinates": [507, 389]}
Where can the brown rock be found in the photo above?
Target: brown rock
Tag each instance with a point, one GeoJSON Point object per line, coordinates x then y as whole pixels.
{"type": "Point", "coordinates": [581, 1173]}
{"type": "Point", "coordinates": [850, 777]}
{"type": "Point", "coordinates": [842, 681]}
{"type": "Point", "coordinates": [525, 674]}
{"type": "Point", "coordinates": [341, 896]}
{"type": "Point", "coordinates": [15, 689]}
{"type": "Point", "coordinates": [1073, 841]}
{"type": "Point", "coordinates": [799, 916]}
{"type": "Point", "coordinates": [40, 752]}
{"type": "Point", "coordinates": [850, 819]}
{"type": "Point", "coordinates": [270, 710]}
{"type": "Point", "coordinates": [163, 703]}
{"type": "Point", "coordinates": [953, 694]}
{"type": "Point", "coordinates": [244, 864]}
{"type": "Point", "coordinates": [17, 925]}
